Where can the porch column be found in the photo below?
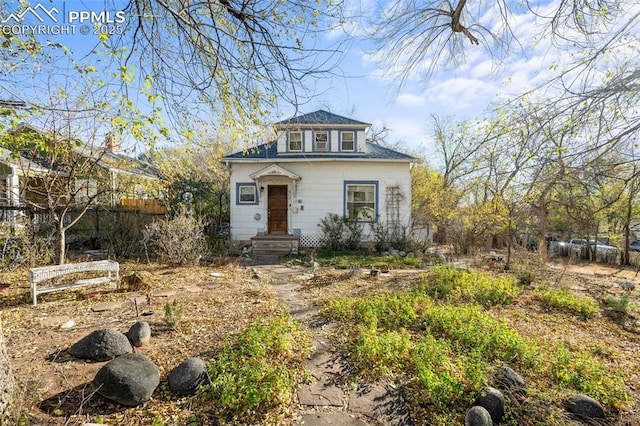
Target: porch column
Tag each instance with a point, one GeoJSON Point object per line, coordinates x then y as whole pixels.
{"type": "Point", "coordinates": [13, 195]}
{"type": "Point", "coordinates": [13, 188]}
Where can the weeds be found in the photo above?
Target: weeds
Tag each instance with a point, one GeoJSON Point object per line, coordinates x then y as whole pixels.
{"type": "Point", "coordinates": [351, 260]}
{"type": "Point", "coordinates": [577, 369]}
{"type": "Point", "coordinates": [173, 313]}
{"type": "Point", "coordinates": [564, 300]}
{"type": "Point", "coordinates": [443, 349]}
{"type": "Point", "coordinates": [258, 372]}
{"type": "Point", "coordinates": [460, 286]}
{"type": "Point", "coordinates": [621, 305]}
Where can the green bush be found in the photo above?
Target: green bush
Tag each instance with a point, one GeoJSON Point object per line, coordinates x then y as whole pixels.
{"type": "Point", "coordinates": [583, 306]}
{"type": "Point", "coordinates": [340, 233]}
{"type": "Point", "coordinates": [578, 370]}
{"type": "Point", "coordinates": [173, 313]}
{"type": "Point", "coordinates": [354, 260]}
{"type": "Point", "coordinates": [259, 372]}
{"type": "Point", "coordinates": [621, 305]}
{"type": "Point", "coordinates": [526, 276]}
{"type": "Point", "coordinates": [459, 286]}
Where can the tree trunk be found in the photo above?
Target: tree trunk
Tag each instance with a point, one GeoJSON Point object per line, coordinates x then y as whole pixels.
{"type": "Point", "coordinates": [61, 243]}
{"type": "Point", "coordinates": [543, 214]}
{"type": "Point", "coordinates": [7, 381]}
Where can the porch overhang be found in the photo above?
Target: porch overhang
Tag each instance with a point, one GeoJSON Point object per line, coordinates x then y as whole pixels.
{"type": "Point", "coordinates": [274, 171]}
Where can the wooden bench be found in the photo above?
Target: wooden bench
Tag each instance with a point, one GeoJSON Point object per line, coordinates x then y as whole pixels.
{"type": "Point", "coordinates": [109, 268]}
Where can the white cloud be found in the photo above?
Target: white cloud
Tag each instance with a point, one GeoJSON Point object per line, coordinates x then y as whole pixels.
{"type": "Point", "coordinates": [409, 100]}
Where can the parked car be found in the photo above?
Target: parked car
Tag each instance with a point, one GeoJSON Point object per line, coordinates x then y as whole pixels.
{"type": "Point", "coordinates": [634, 245]}
{"type": "Point", "coordinates": [576, 246]}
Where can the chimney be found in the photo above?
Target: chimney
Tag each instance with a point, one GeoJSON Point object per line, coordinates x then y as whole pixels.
{"type": "Point", "coordinates": [110, 142]}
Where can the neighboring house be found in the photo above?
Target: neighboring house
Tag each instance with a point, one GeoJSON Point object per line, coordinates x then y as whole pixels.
{"type": "Point", "coordinates": [124, 181]}
{"type": "Point", "coordinates": [320, 164]}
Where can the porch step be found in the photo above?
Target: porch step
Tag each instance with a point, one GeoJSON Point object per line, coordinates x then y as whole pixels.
{"type": "Point", "coordinates": [276, 245]}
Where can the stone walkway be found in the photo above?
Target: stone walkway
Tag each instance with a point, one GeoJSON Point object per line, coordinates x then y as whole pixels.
{"type": "Point", "coordinates": [331, 399]}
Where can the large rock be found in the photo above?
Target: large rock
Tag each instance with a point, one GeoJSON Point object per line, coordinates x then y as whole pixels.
{"type": "Point", "coordinates": [509, 380]}
{"type": "Point", "coordinates": [188, 376]}
{"type": "Point", "coordinates": [128, 380]}
{"type": "Point", "coordinates": [139, 333]}
{"type": "Point", "coordinates": [102, 345]}
{"type": "Point", "coordinates": [585, 407]}
{"type": "Point", "coordinates": [493, 401]}
{"type": "Point", "coordinates": [478, 416]}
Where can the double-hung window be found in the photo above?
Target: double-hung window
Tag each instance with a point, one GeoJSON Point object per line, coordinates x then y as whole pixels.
{"type": "Point", "coordinates": [246, 193]}
{"type": "Point", "coordinates": [347, 141]}
{"type": "Point", "coordinates": [360, 200]}
{"type": "Point", "coordinates": [295, 141]}
{"type": "Point", "coordinates": [321, 141]}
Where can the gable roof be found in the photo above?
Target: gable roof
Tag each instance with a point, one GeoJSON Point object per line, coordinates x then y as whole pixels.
{"type": "Point", "coordinates": [269, 152]}
{"type": "Point", "coordinates": [320, 118]}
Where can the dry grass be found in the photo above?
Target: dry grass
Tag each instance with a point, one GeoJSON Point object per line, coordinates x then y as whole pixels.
{"type": "Point", "coordinates": [55, 388]}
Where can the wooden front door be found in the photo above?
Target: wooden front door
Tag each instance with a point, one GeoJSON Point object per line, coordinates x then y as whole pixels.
{"type": "Point", "coordinates": [277, 209]}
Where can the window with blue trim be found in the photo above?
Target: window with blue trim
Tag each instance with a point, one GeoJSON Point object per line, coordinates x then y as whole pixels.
{"type": "Point", "coordinates": [321, 141]}
{"type": "Point", "coordinates": [295, 141]}
{"type": "Point", "coordinates": [361, 200]}
{"type": "Point", "coordinates": [347, 141]}
{"type": "Point", "coordinates": [246, 193]}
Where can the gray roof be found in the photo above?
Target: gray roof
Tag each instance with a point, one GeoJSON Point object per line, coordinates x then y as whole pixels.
{"type": "Point", "coordinates": [270, 152]}
{"type": "Point", "coordinates": [322, 118]}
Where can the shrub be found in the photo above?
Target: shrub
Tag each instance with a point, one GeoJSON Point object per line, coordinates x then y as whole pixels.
{"type": "Point", "coordinates": [340, 233]}
{"type": "Point", "coordinates": [179, 241]}
{"type": "Point", "coordinates": [458, 285]}
{"type": "Point", "coordinates": [621, 305]}
{"type": "Point", "coordinates": [30, 245]}
{"type": "Point", "coordinates": [258, 372]}
{"type": "Point", "coordinates": [173, 313]}
{"type": "Point", "coordinates": [585, 307]}
{"type": "Point", "coordinates": [578, 370]}
{"type": "Point", "coordinates": [526, 276]}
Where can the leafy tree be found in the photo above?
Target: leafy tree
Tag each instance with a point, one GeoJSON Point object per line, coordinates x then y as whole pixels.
{"type": "Point", "coordinates": [235, 59]}
{"type": "Point", "coordinates": [57, 175]}
{"type": "Point", "coordinates": [195, 180]}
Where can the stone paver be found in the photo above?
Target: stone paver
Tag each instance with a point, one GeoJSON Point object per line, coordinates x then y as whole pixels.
{"type": "Point", "coordinates": [384, 406]}
{"type": "Point", "coordinates": [331, 419]}
{"type": "Point", "coordinates": [165, 293]}
{"type": "Point", "coordinates": [381, 403]}
{"type": "Point", "coordinates": [54, 321]}
{"type": "Point", "coordinates": [322, 393]}
{"type": "Point", "coordinates": [106, 306]}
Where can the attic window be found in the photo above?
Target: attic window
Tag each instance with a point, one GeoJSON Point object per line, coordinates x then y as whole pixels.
{"type": "Point", "coordinates": [295, 141]}
{"type": "Point", "coordinates": [321, 141]}
{"type": "Point", "coordinates": [347, 141]}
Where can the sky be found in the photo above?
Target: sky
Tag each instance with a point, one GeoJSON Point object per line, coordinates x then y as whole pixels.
{"type": "Point", "coordinates": [363, 92]}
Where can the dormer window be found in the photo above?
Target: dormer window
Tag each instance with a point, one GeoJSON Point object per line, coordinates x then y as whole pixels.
{"type": "Point", "coordinates": [295, 141]}
{"type": "Point", "coordinates": [347, 141]}
{"type": "Point", "coordinates": [321, 141]}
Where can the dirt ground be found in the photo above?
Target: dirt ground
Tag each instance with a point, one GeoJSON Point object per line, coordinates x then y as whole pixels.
{"type": "Point", "coordinates": [220, 301]}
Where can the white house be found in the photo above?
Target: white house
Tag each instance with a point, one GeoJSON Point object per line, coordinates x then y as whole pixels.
{"type": "Point", "coordinates": [320, 163]}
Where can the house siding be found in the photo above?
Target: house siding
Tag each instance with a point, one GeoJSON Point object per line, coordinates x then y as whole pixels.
{"type": "Point", "coordinates": [319, 193]}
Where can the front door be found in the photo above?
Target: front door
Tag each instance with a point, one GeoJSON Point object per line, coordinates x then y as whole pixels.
{"type": "Point", "coordinates": [277, 209]}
